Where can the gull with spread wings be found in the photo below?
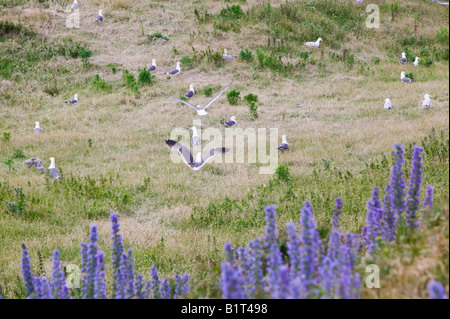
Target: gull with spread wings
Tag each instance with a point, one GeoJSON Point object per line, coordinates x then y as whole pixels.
{"type": "Point", "coordinates": [187, 157]}
{"type": "Point", "coordinates": [201, 108]}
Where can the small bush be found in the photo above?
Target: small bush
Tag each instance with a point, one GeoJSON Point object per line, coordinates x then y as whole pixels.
{"type": "Point", "coordinates": [130, 81]}
{"type": "Point", "coordinates": [202, 17]}
{"type": "Point", "coordinates": [157, 35]}
{"type": "Point", "coordinates": [18, 154]}
{"type": "Point", "coordinates": [207, 91]}
{"type": "Point", "coordinates": [251, 98]}
{"type": "Point", "coordinates": [100, 84]}
{"type": "Point", "coordinates": [6, 136]}
{"type": "Point", "coordinates": [442, 36]}
{"type": "Point", "coordinates": [145, 77]}
{"type": "Point", "coordinates": [246, 55]}
{"type": "Point", "coordinates": [282, 173]}
{"type": "Point", "coordinates": [253, 108]}
{"type": "Point", "coordinates": [304, 55]}
{"type": "Point", "coordinates": [233, 97]}
{"type": "Point", "coordinates": [186, 61]}
{"type": "Point", "coordinates": [232, 13]}
{"type": "Point", "coordinates": [85, 55]}
{"type": "Point", "coordinates": [410, 75]}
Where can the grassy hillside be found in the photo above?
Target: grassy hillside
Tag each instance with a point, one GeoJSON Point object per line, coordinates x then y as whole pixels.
{"type": "Point", "coordinates": [110, 146]}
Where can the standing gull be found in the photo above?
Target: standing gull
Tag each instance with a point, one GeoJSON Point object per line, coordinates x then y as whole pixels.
{"type": "Point", "coordinates": [403, 59]}
{"type": "Point", "coordinates": [188, 159]}
{"type": "Point", "coordinates": [416, 61]}
{"type": "Point", "coordinates": [176, 71]}
{"type": "Point", "coordinates": [190, 93]}
{"type": "Point", "coordinates": [313, 44]}
{"type": "Point", "coordinates": [53, 170]}
{"type": "Point", "coordinates": [195, 140]}
{"type": "Point", "coordinates": [284, 144]}
{"type": "Point", "coordinates": [153, 66]}
{"type": "Point", "coordinates": [230, 123]}
{"type": "Point", "coordinates": [226, 56]}
{"type": "Point", "coordinates": [74, 100]}
{"type": "Point", "coordinates": [37, 129]}
{"type": "Point", "coordinates": [75, 5]}
{"type": "Point", "coordinates": [387, 104]}
{"type": "Point", "coordinates": [427, 101]}
{"type": "Point", "coordinates": [100, 16]}
{"type": "Point", "coordinates": [405, 79]}
{"type": "Point", "coordinates": [201, 108]}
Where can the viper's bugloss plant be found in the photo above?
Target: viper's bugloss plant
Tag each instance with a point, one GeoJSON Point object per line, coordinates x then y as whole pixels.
{"type": "Point", "coordinates": [436, 290]}
{"type": "Point", "coordinates": [415, 181]}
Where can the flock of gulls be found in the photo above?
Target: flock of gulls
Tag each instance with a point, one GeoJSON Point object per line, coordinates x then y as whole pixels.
{"type": "Point", "coordinates": [198, 162]}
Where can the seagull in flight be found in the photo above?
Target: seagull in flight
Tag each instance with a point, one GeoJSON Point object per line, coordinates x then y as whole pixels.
{"type": "Point", "coordinates": [200, 161]}
{"type": "Point", "coordinates": [201, 108]}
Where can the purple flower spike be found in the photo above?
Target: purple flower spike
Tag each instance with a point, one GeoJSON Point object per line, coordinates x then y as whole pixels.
{"type": "Point", "coordinates": [60, 290]}
{"type": "Point", "coordinates": [436, 290]}
{"type": "Point", "coordinates": [372, 231]}
{"type": "Point", "coordinates": [429, 195]}
{"type": "Point", "coordinates": [415, 181]}
{"type": "Point", "coordinates": [26, 271]}
{"type": "Point", "coordinates": [337, 213]}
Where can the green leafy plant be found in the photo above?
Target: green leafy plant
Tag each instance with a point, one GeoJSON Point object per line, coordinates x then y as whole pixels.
{"type": "Point", "coordinates": [246, 55]}
{"type": "Point", "coordinates": [442, 36]}
{"type": "Point", "coordinates": [157, 35]}
{"type": "Point", "coordinates": [18, 154]}
{"type": "Point", "coordinates": [90, 142]}
{"type": "Point", "coordinates": [85, 54]}
{"type": "Point", "coordinates": [233, 97]}
{"type": "Point", "coordinates": [100, 84]}
{"type": "Point", "coordinates": [410, 75]}
{"type": "Point", "coordinates": [6, 136]}
{"type": "Point", "coordinates": [253, 108]}
{"type": "Point", "coordinates": [207, 91]}
{"type": "Point", "coordinates": [304, 55]}
{"type": "Point", "coordinates": [186, 61]}
{"type": "Point", "coordinates": [250, 98]}
{"type": "Point", "coordinates": [17, 207]}
{"type": "Point", "coordinates": [130, 81]}
{"type": "Point", "coordinates": [9, 162]}
{"type": "Point", "coordinates": [282, 173]}
{"type": "Point", "coordinates": [202, 17]}
{"type": "Point", "coordinates": [145, 77]}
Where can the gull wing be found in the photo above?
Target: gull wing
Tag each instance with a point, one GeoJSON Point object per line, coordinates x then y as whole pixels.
{"type": "Point", "coordinates": [204, 106]}
{"type": "Point", "coordinates": [213, 152]}
{"type": "Point", "coordinates": [183, 151]}
{"type": "Point", "coordinates": [183, 101]}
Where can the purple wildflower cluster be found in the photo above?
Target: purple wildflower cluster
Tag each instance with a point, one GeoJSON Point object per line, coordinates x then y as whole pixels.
{"type": "Point", "coordinates": [436, 290]}
{"type": "Point", "coordinates": [398, 206]}
{"type": "Point", "coordinates": [306, 271]}
{"type": "Point", "coordinates": [126, 283]}
{"type": "Point", "coordinates": [311, 270]}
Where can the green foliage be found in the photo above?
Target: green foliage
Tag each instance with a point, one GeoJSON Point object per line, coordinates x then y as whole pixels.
{"type": "Point", "coordinates": [350, 59]}
{"type": "Point", "coordinates": [426, 61]}
{"type": "Point", "coordinates": [376, 60]}
{"type": "Point", "coordinates": [282, 173]}
{"type": "Point", "coordinates": [100, 84]}
{"type": "Point", "coordinates": [18, 154]}
{"type": "Point", "coordinates": [304, 55]}
{"type": "Point", "coordinates": [130, 82]}
{"type": "Point", "coordinates": [157, 35]}
{"type": "Point", "coordinates": [17, 207]}
{"type": "Point", "coordinates": [249, 98]}
{"type": "Point", "coordinates": [267, 61]}
{"type": "Point", "coordinates": [9, 162]}
{"type": "Point", "coordinates": [233, 97]}
{"type": "Point", "coordinates": [90, 142]}
{"type": "Point", "coordinates": [85, 55]}
{"type": "Point", "coordinates": [207, 91]}
{"type": "Point", "coordinates": [442, 36]}
{"type": "Point", "coordinates": [9, 29]}
{"type": "Point", "coordinates": [253, 108]}
{"type": "Point", "coordinates": [232, 13]}
{"type": "Point", "coordinates": [186, 61]}
{"type": "Point", "coordinates": [145, 77]}
{"type": "Point", "coordinates": [6, 136]}
{"type": "Point", "coordinates": [246, 55]}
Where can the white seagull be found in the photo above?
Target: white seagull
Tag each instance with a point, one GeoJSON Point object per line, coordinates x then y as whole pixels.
{"type": "Point", "coordinates": [195, 140]}
{"type": "Point", "coordinates": [190, 93]}
{"type": "Point", "coordinates": [100, 16]}
{"type": "Point", "coordinates": [387, 104]}
{"type": "Point", "coordinates": [284, 144]}
{"type": "Point", "coordinates": [176, 71]}
{"type": "Point", "coordinates": [37, 128]}
{"type": "Point", "coordinates": [153, 66]}
{"type": "Point", "coordinates": [403, 59]}
{"type": "Point", "coordinates": [427, 101]}
{"type": "Point", "coordinates": [230, 123]}
{"type": "Point", "coordinates": [75, 5]}
{"type": "Point", "coordinates": [416, 61]}
{"type": "Point", "coordinates": [226, 56]}
{"type": "Point", "coordinates": [314, 44]}
{"type": "Point", "coordinates": [188, 159]}
{"type": "Point", "coordinates": [201, 108]}
{"type": "Point", "coordinates": [74, 100]}
{"type": "Point", "coordinates": [405, 79]}
{"type": "Point", "coordinates": [53, 170]}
